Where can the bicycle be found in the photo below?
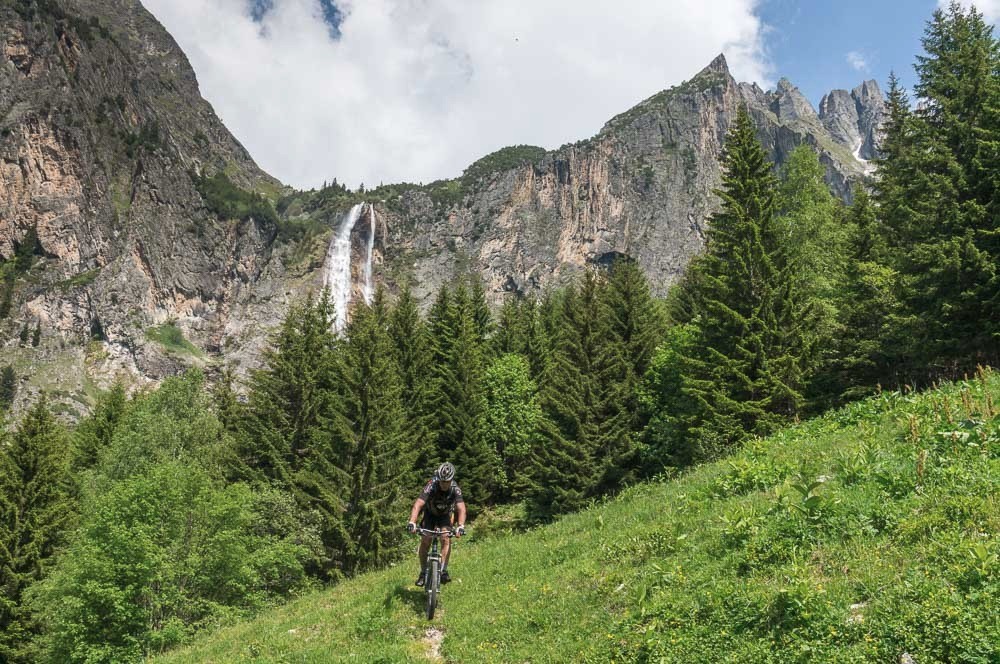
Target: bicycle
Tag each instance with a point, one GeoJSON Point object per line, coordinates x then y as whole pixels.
{"type": "Point", "coordinates": [432, 583]}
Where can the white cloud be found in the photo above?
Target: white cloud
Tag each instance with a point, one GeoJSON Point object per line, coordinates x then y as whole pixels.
{"type": "Point", "coordinates": [990, 9]}
{"type": "Point", "coordinates": [857, 61]}
{"type": "Point", "coordinates": [416, 90]}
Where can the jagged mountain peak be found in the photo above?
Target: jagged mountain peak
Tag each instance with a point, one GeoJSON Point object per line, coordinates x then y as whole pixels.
{"type": "Point", "coordinates": [789, 104]}
{"type": "Point", "coordinates": [719, 65]}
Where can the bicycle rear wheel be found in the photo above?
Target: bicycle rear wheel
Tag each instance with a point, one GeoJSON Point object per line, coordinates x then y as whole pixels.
{"type": "Point", "coordinates": [433, 584]}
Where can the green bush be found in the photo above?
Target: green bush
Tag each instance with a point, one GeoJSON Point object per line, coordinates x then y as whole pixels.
{"type": "Point", "coordinates": [228, 201]}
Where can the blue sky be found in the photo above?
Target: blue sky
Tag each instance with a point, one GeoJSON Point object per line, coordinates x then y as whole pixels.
{"type": "Point", "coordinates": [809, 42]}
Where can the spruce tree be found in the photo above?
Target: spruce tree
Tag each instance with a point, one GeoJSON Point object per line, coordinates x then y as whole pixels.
{"type": "Point", "coordinates": [869, 310]}
{"type": "Point", "coordinates": [36, 511]}
{"type": "Point", "coordinates": [36, 336]}
{"type": "Point", "coordinates": [749, 362]}
{"type": "Point", "coordinates": [293, 405]}
{"type": "Point", "coordinates": [94, 433]}
{"type": "Point", "coordinates": [459, 360]}
{"type": "Point", "coordinates": [561, 470]}
{"type": "Point", "coordinates": [941, 197]}
{"type": "Point", "coordinates": [412, 350]}
{"type": "Point", "coordinates": [586, 446]}
{"type": "Point", "coordinates": [8, 388]}
{"type": "Point", "coordinates": [637, 328]}
{"type": "Point", "coordinates": [379, 459]}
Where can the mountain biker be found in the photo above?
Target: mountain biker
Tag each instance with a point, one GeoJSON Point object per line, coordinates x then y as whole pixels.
{"type": "Point", "coordinates": [441, 501]}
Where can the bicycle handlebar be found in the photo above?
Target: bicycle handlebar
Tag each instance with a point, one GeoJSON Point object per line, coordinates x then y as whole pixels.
{"type": "Point", "coordinates": [440, 533]}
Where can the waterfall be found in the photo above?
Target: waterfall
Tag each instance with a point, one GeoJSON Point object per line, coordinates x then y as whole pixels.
{"type": "Point", "coordinates": [369, 288]}
{"type": "Point", "coordinates": [338, 266]}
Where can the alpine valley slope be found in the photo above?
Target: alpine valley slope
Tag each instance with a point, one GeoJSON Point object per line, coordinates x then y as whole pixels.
{"type": "Point", "coordinates": [852, 537]}
{"type": "Point", "coordinates": [134, 265]}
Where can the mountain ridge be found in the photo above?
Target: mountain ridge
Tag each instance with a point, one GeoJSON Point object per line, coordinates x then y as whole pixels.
{"type": "Point", "coordinates": [106, 137]}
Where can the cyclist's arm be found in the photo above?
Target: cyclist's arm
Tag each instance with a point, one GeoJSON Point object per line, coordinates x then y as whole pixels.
{"type": "Point", "coordinates": [460, 513]}
{"type": "Point", "coordinates": [415, 512]}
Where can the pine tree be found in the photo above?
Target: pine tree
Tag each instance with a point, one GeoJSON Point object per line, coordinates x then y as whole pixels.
{"type": "Point", "coordinates": [379, 459]}
{"type": "Point", "coordinates": [8, 388]}
{"type": "Point", "coordinates": [284, 438]}
{"type": "Point", "coordinates": [459, 352]}
{"type": "Point", "coordinates": [586, 446]}
{"type": "Point", "coordinates": [411, 345]}
{"type": "Point", "coordinates": [94, 433]}
{"type": "Point", "coordinates": [36, 511]}
{"type": "Point", "coordinates": [870, 308]}
{"type": "Point", "coordinates": [36, 336]}
{"type": "Point", "coordinates": [751, 354]}
{"type": "Point", "coordinates": [562, 469]}
{"type": "Point", "coordinates": [939, 194]}
{"type": "Point", "coordinates": [637, 327]}
{"type": "Point", "coordinates": [24, 334]}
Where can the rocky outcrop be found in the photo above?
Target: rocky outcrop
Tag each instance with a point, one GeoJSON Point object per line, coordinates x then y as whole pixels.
{"type": "Point", "coordinates": [103, 133]}
{"type": "Point", "coordinates": [101, 126]}
{"type": "Point", "coordinates": [642, 187]}
{"type": "Point", "coordinates": [854, 118]}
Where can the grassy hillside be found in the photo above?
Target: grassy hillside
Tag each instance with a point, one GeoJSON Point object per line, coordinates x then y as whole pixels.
{"type": "Point", "coordinates": [856, 537]}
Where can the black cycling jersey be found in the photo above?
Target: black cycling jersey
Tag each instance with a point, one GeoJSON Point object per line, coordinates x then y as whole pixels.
{"type": "Point", "coordinates": [438, 502]}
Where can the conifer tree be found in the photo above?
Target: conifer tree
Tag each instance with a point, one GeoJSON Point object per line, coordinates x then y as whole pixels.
{"type": "Point", "coordinates": [8, 387]}
{"type": "Point", "coordinates": [938, 192]}
{"type": "Point", "coordinates": [379, 459]}
{"type": "Point", "coordinates": [562, 466]}
{"type": "Point", "coordinates": [36, 336]}
{"type": "Point", "coordinates": [293, 405]}
{"type": "Point", "coordinates": [751, 352]}
{"type": "Point", "coordinates": [459, 358]}
{"type": "Point", "coordinates": [870, 308]}
{"type": "Point", "coordinates": [586, 446]}
{"type": "Point", "coordinates": [636, 326]}
{"type": "Point", "coordinates": [411, 346]}
{"type": "Point", "coordinates": [36, 510]}
{"type": "Point", "coordinates": [94, 433]}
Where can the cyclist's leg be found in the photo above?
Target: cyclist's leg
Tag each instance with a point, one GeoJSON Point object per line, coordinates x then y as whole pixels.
{"type": "Point", "coordinates": [446, 541]}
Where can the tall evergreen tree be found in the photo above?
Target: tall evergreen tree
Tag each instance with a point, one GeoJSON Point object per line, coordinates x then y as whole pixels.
{"type": "Point", "coordinates": [379, 460]}
{"type": "Point", "coordinates": [636, 324]}
{"type": "Point", "coordinates": [8, 387]}
{"type": "Point", "coordinates": [940, 192]}
{"type": "Point", "coordinates": [562, 464]}
{"type": "Point", "coordinates": [36, 510]}
{"type": "Point", "coordinates": [869, 310]}
{"type": "Point", "coordinates": [293, 404]}
{"type": "Point", "coordinates": [412, 349]}
{"type": "Point", "coordinates": [752, 347]}
{"type": "Point", "coordinates": [586, 446]}
{"type": "Point", "coordinates": [459, 360]}
{"type": "Point", "coordinates": [94, 433]}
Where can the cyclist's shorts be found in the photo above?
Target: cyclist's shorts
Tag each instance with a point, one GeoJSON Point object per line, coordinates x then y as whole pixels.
{"type": "Point", "coordinates": [430, 521]}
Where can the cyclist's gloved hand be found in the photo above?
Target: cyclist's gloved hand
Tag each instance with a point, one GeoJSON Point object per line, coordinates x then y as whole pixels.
{"type": "Point", "coordinates": [411, 527]}
{"type": "Point", "coordinates": [460, 531]}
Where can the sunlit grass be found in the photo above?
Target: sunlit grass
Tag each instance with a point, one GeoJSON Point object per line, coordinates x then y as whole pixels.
{"type": "Point", "coordinates": [856, 537]}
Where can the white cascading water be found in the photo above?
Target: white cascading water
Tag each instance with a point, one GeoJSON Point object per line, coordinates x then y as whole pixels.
{"type": "Point", "coordinates": [338, 266]}
{"type": "Point", "coordinates": [369, 287]}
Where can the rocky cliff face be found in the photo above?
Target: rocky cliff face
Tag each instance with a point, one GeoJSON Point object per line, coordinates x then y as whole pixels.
{"type": "Point", "coordinates": [642, 187]}
{"type": "Point", "coordinates": [135, 273]}
{"type": "Point", "coordinates": [101, 126]}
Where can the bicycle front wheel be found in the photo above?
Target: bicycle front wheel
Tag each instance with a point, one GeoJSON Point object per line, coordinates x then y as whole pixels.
{"type": "Point", "coordinates": [433, 584]}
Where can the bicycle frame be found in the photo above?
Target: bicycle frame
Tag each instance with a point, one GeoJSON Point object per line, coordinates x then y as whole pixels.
{"type": "Point", "coordinates": [432, 583]}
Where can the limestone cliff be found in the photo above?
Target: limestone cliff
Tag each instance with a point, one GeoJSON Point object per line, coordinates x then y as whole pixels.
{"type": "Point", "coordinates": [138, 235]}
{"type": "Point", "coordinates": [642, 187]}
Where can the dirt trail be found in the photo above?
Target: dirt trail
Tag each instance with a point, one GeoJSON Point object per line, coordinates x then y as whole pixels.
{"type": "Point", "coordinates": [432, 640]}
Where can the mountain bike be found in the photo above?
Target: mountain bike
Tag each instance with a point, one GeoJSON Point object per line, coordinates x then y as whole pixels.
{"type": "Point", "coordinates": [432, 583]}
